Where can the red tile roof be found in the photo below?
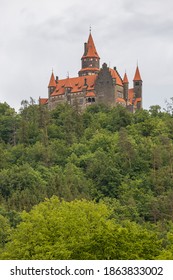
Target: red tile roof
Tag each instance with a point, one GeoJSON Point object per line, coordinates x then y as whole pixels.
{"type": "Point", "coordinates": [43, 101]}
{"type": "Point", "coordinates": [116, 76]}
{"type": "Point", "coordinates": [90, 48]}
{"type": "Point", "coordinates": [137, 76]}
{"type": "Point", "coordinates": [68, 83]}
{"type": "Point", "coordinates": [77, 84]}
{"type": "Point", "coordinates": [52, 82]}
{"type": "Point", "coordinates": [138, 99]}
{"type": "Point", "coordinates": [125, 79]}
{"type": "Point", "coordinates": [131, 95]}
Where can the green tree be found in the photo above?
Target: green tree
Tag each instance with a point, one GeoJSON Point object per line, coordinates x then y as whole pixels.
{"type": "Point", "coordinates": [78, 230]}
{"type": "Point", "coordinates": [22, 187]}
{"type": "Point", "coordinates": [8, 124]}
{"type": "Point", "coordinates": [4, 231]}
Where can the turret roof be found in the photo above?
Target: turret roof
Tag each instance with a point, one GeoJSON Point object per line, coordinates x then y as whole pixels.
{"type": "Point", "coordinates": [125, 79]}
{"type": "Point", "coordinates": [52, 82]}
{"type": "Point", "coordinates": [90, 48]}
{"type": "Point", "coordinates": [137, 76]}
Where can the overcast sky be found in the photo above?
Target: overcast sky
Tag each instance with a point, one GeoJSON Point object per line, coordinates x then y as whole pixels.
{"type": "Point", "coordinates": [38, 35]}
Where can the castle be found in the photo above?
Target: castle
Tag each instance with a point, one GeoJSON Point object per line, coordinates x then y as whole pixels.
{"type": "Point", "coordinates": [94, 85]}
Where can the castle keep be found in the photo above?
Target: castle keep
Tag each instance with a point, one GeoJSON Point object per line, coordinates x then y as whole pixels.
{"type": "Point", "coordinates": [95, 85]}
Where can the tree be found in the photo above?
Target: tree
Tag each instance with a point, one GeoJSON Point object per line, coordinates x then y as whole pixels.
{"type": "Point", "coordinates": [8, 124]}
{"type": "Point", "coordinates": [61, 230]}
{"type": "Point", "coordinates": [78, 230]}
{"type": "Point", "coordinates": [4, 231]}
{"type": "Point", "coordinates": [22, 187]}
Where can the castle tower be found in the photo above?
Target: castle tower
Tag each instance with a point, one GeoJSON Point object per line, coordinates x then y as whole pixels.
{"type": "Point", "coordinates": [90, 59]}
{"type": "Point", "coordinates": [137, 85]}
{"type": "Point", "coordinates": [52, 85]}
{"type": "Point", "coordinates": [125, 87]}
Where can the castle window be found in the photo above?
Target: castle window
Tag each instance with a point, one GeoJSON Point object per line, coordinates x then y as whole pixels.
{"type": "Point", "coordinates": [114, 81]}
{"type": "Point", "coordinates": [81, 101]}
{"type": "Point", "coordinates": [136, 83]}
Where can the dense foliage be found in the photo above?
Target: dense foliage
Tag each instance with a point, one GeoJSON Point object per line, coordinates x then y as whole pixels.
{"type": "Point", "coordinates": [96, 184]}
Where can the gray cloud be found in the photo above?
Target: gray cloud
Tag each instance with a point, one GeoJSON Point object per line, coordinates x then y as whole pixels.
{"type": "Point", "coordinates": [39, 35]}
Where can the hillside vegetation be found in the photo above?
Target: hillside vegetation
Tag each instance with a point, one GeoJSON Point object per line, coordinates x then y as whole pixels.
{"type": "Point", "coordinates": [91, 185]}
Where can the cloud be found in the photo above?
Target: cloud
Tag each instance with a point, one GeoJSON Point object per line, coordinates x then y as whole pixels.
{"type": "Point", "coordinates": [39, 35]}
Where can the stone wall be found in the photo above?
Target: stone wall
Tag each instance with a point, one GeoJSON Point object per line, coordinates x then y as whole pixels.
{"type": "Point", "coordinates": [104, 87]}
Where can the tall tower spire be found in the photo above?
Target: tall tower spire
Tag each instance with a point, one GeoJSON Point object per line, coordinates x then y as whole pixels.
{"type": "Point", "coordinates": [137, 85]}
{"type": "Point", "coordinates": [90, 59]}
{"type": "Point", "coordinates": [137, 76]}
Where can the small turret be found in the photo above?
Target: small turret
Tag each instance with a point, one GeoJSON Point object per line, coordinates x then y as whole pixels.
{"type": "Point", "coordinates": [52, 85]}
{"type": "Point", "coordinates": [137, 85]}
{"type": "Point", "coordinates": [125, 87]}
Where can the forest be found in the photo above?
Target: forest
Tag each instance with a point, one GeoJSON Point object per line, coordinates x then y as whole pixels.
{"type": "Point", "coordinates": [96, 184]}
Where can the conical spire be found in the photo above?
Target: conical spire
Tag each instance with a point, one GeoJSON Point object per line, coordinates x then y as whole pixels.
{"type": "Point", "coordinates": [137, 76]}
{"type": "Point", "coordinates": [90, 49]}
{"type": "Point", "coordinates": [52, 82]}
{"type": "Point", "coordinates": [125, 79]}
{"type": "Point", "coordinates": [90, 59]}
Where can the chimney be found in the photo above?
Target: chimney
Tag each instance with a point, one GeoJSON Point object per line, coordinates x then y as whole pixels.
{"type": "Point", "coordinates": [85, 48]}
{"type": "Point", "coordinates": [57, 79]}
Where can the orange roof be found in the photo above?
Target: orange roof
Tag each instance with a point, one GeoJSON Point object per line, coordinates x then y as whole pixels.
{"type": "Point", "coordinates": [68, 83]}
{"type": "Point", "coordinates": [137, 76]}
{"type": "Point", "coordinates": [90, 94]}
{"type": "Point", "coordinates": [43, 101]}
{"type": "Point", "coordinates": [90, 48]}
{"type": "Point", "coordinates": [139, 99]}
{"type": "Point", "coordinates": [125, 79]}
{"type": "Point", "coordinates": [131, 95]}
{"type": "Point", "coordinates": [119, 99]}
{"type": "Point", "coordinates": [77, 84]}
{"type": "Point", "coordinates": [116, 76]}
{"type": "Point", "coordinates": [52, 82]}
{"type": "Point", "coordinates": [89, 69]}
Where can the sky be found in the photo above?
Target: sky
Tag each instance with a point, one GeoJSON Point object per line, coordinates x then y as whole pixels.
{"type": "Point", "coordinates": [37, 36]}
